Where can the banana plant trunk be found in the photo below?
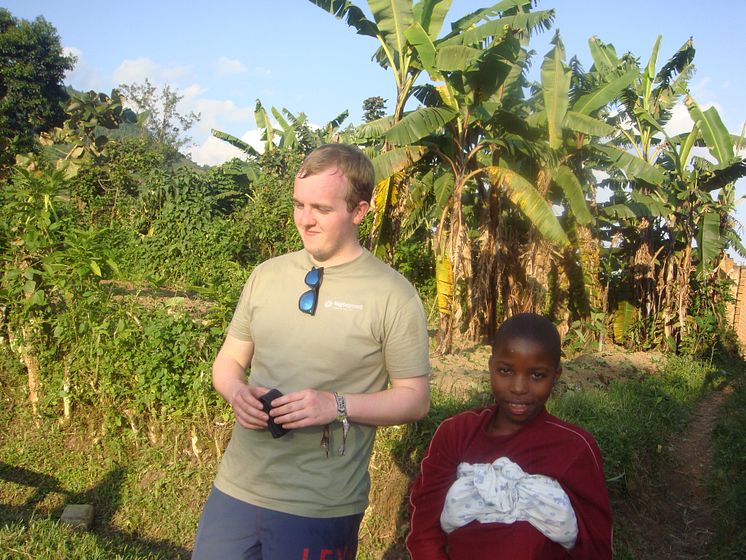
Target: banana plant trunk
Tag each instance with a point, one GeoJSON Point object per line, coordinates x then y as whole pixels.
{"type": "Point", "coordinates": [537, 261]}
{"type": "Point", "coordinates": [643, 274]}
{"type": "Point", "coordinates": [456, 252]}
{"type": "Point", "coordinates": [683, 289]}
{"type": "Point", "coordinates": [589, 250]}
{"type": "Point", "coordinates": [483, 319]}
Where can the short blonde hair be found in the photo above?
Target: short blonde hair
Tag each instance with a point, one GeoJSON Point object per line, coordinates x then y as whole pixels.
{"type": "Point", "coordinates": [351, 161]}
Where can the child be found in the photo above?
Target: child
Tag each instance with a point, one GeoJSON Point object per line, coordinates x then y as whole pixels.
{"type": "Point", "coordinates": [511, 481]}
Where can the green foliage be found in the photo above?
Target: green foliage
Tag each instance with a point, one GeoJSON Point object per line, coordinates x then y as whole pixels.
{"type": "Point", "coordinates": [708, 330]}
{"type": "Point", "coordinates": [414, 259]}
{"type": "Point", "coordinates": [140, 362]}
{"type": "Point", "coordinates": [32, 66]}
{"type": "Point", "coordinates": [120, 188]}
{"type": "Point", "coordinates": [47, 259]}
{"type": "Point", "coordinates": [184, 233]}
{"type": "Point", "coordinates": [266, 222]}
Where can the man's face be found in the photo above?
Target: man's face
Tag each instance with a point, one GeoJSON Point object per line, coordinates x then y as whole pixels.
{"type": "Point", "coordinates": [328, 229]}
{"type": "Point", "coordinates": [522, 374]}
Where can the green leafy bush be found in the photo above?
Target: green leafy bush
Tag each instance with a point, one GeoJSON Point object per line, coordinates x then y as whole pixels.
{"type": "Point", "coordinates": [133, 361]}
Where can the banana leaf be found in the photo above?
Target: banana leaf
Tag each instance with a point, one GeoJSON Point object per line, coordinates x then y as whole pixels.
{"type": "Point", "coordinates": [392, 18]}
{"type": "Point", "coordinates": [605, 94]}
{"type": "Point", "coordinates": [623, 319]}
{"type": "Point", "coordinates": [351, 14]}
{"type": "Point", "coordinates": [431, 14]}
{"type": "Point", "coordinates": [444, 284]}
{"type": "Point", "coordinates": [716, 136]}
{"type": "Point", "coordinates": [634, 167]}
{"type": "Point", "coordinates": [604, 55]}
{"type": "Point", "coordinates": [709, 242]}
{"type": "Point", "coordinates": [573, 190]}
{"type": "Point", "coordinates": [578, 122]}
{"type": "Point", "coordinates": [418, 124]}
{"type": "Point", "coordinates": [398, 159]}
{"type": "Point", "coordinates": [235, 142]}
{"type": "Point", "coordinates": [555, 81]}
{"type": "Point", "coordinates": [525, 196]}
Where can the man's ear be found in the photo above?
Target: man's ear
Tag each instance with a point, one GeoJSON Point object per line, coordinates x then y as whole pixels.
{"type": "Point", "coordinates": [360, 211]}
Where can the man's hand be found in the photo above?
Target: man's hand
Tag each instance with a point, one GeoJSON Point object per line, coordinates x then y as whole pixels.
{"type": "Point", "coordinates": [301, 409]}
{"type": "Point", "coordinates": [247, 407]}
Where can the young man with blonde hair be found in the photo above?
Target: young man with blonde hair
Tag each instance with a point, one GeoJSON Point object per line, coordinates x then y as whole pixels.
{"type": "Point", "coordinates": [343, 338]}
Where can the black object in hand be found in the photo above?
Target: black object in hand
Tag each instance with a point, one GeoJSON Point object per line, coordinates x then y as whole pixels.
{"type": "Point", "coordinates": [275, 429]}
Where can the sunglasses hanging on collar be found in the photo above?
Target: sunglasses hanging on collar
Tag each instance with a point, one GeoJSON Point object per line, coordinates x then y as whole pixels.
{"type": "Point", "coordinates": [308, 300]}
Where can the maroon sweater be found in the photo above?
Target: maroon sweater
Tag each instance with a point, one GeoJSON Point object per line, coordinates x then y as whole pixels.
{"type": "Point", "coordinates": [546, 446]}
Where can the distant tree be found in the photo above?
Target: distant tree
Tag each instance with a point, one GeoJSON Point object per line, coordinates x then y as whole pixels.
{"type": "Point", "coordinates": [374, 107]}
{"type": "Point", "coordinates": [159, 113]}
{"type": "Point", "coordinates": [32, 66]}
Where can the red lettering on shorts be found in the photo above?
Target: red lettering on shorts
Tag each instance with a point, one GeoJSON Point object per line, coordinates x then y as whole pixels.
{"type": "Point", "coordinates": [305, 554]}
{"type": "Point", "coordinates": [325, 552]}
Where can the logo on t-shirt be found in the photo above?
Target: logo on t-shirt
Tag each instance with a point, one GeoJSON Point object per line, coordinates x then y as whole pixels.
{"type": "Point", "coordinates": [342, 306]}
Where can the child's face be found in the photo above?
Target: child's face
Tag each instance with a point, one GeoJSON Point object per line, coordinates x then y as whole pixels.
{"type": "Point", "coordinates": [522, 374]}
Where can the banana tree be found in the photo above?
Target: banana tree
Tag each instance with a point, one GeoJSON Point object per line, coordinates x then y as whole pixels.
{"type": "Point", "coordinates": [631, 159]}
{"type": "Point", "coordinates": [698, 218]}
{"type": "Point", "coordinates": [685, 227]}
{"type": "Point", "coordinates": [401, 28]}
{"type": "Point", "coordinates": [457, 126]}
{"type": "Point", "coordinates": [569, 110]}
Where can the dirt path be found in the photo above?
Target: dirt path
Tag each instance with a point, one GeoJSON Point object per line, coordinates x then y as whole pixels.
{"type": "Point", "coordinates": [674, 521]}
{"type": "Point", "coordinates": [687, 483]}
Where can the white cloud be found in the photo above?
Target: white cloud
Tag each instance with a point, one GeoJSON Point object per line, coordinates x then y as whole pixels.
{"type": "Point", "coordinates": [229, 66]}
{"type": "Point", "coordinates": [84, 77]}
{"type": "Point", "coordinates": [222, 115]}
{"type": "Point", "coordinates": [254, 138]}
{"type": "Point", "coordinates": [192, 92]}
{"type": "Point", "coordinates": [137, 70]}
{"type": "Point", "coordinates": [214, 152]}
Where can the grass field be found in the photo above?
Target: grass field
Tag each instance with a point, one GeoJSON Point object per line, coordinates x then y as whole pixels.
{"type": "Point", "coordinates": [148, 489]}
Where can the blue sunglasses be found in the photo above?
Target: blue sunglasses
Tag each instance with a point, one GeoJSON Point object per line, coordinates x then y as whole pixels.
{"type": "Point", "coordinates": [308, 300]}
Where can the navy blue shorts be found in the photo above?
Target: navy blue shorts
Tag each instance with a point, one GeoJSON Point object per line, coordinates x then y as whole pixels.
{"type": "Point", "coordinates": [230, 529]}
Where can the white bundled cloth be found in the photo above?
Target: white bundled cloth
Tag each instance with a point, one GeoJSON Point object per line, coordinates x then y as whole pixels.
{"type": "Point", "coordinates": [502, 492]}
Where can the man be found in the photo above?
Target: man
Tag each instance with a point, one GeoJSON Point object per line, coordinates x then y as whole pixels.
{"type": "Point", "coordinates": [344, 338]}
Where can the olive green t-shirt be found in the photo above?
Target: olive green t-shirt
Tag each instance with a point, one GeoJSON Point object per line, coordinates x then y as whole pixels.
{"type": "Point", "coordinates": [369, 326]}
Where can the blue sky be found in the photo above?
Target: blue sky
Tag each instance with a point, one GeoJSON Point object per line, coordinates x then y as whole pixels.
{"type": "Point", "coordinates": [222, 56]}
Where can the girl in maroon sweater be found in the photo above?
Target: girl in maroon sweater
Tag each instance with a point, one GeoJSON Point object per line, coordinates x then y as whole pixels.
{"type": "Point", "coordinates": [511, 481]}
